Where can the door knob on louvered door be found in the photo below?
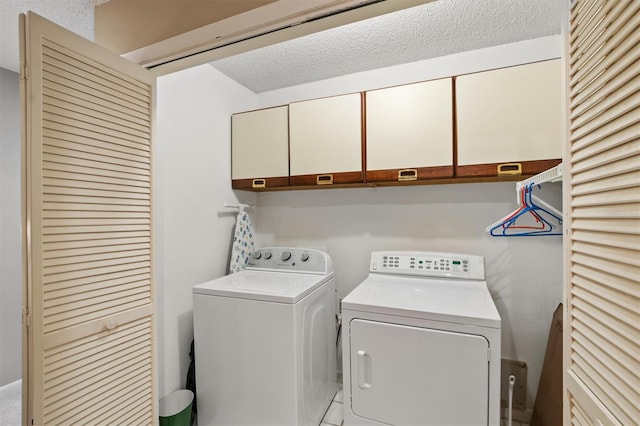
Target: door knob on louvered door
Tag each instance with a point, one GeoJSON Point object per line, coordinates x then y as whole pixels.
{"type": "Point", "coordinates": [111, 324]}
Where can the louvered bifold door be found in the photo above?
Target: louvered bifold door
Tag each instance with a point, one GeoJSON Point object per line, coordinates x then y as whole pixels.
{"type": "Point", "coordinates": [602, 346]}
{"type": "Point", "coordinates": [88, 231]}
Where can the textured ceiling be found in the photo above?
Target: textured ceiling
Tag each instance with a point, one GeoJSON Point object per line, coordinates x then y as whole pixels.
{"type": "Point", "coordinates": [431, 30]}
{"type": "Point", "coordinates": [76, 15]}
{"type": "Point", "coordinates": [434, 29]}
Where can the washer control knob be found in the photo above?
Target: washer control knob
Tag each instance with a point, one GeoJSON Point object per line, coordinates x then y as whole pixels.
{"type": "Point", "coordinates": [286, 255]}
{"type": "Point", "coordinates": [257, 255]}
{"type": "Point", "coordinates": [304, 257]}
{"type": "Point", "coordinates": [267, 255]}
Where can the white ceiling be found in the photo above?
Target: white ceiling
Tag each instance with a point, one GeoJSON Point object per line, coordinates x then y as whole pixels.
{"type": "Point", "coordinates": [76, 15]}
{"type": "Point", "coordinates": [428, 31]}
{"type": "Point", "coordinates": [434, 29]}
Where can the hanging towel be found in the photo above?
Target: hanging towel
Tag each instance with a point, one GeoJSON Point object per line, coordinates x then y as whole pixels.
{"type": "Point", "coordinates": [242, 243]}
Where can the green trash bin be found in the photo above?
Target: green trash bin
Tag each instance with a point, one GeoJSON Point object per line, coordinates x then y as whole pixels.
{"type": "Point", "coordinates": [175, 408]}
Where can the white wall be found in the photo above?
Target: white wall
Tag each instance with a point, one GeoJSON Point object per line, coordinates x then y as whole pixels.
{"type": "Point", "coordinates": [192, 181]}
{"type": "Point", "coordinates": [524, 274]}
{"type": "Point", "coordinates": [10, 240]}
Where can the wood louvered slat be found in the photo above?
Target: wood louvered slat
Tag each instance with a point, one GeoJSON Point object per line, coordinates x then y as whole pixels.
{"type": "Point", "coordinates": [52, 167]}
{"type": "Point", "coordinates": [624, 241]}
{"type": "Point", "coordinates": [620, 196]}
{"type": "Point", "coordinates": [626, 160]}
{"type": "Point", "coordinates": [595, 382]}
{"type": "Point", "coordinates": [611, 113]}
{"type": "Point", "coordinates": [67, 352]}
{"type": "Point", "coordinates": [88, 158]}
{"type": "Point", "coordinates": [54, 62]}
{"type": "Point", "coordinates": [618, 181]}
{"type": "Point", "coordinates": [591, 14]}
{"type": "Point", "coordinates": [94, 301]}
{"type": "Point", "coordinates": [136, 145]}
{"type": "Point", "coordinates": [61, 82]}
{"type": "Point", "coordinates": [73, 110]}
{"type": "Point", "coordinates": [90, 267]}
{"type": "Point", "coordinates": [79, 60]}
{"type": "Point", "coordinates": [80, 135]}
{"type": "Point", "coordinates": [603, 294]}
{"type": "Point", "coordinates": [102, 195]}
{"type": "Point", "coordinates": [93, 364]}
{"type": "Point", "coordinates": [605, 85]}
{"type": "Point", "coordinates": [624, 362]}
{"type": "Point", "coordinates": [594, 322]}
{"type": "Point", "coordinates": [605, 99]}
{"type": "Point", "coordinates": [620, 22]}
{"type": "Point", "coordinates": [96, 129]}
{"type": "Point", "coordinates": [53, 248]}
{"type": "Point", "coordinates": [72, 181]}
{"type": "Point", "coordinates": [608, 29]}
{"type": "Point", "coordinates": [136, 416]}
{"type": "Point", "coordinates": [69, 112]}
{"type": "Point", "coordinates": [95, 248]}
{"type": "Point", "coordinates": [56, 97]}
{"type": "Point", "coordinates": [579, 416]}
{"type": "Point", "coordinates": [76, 72]}
{"type": "Point", "coordinates": [609, 371]}
{"type": "Point", "coordinates": [108, 162]}
{"type": "Point", "coordinates": [74, 91]}
{"type": "Point", "coordinates": [131, 280]}
{"type": "Point", "coordinates": [621, 256]}
{"type": "Point", "coordinates": [97, 415]}
{"type": "Point", "coordinates": [93, 281]}
{"type": "Point", "coordinates": [108, 382]}
{"type": "Point", "coordinates": [58, 381]}
{"type": "Point", "coordinates": [58, 322]}
{"type": "Point", "coordinates": [97, 165]}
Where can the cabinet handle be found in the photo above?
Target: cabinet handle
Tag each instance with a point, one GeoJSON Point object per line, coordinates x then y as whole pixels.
{"type": "Point", "coordinates": [408, 174]}
{"type": "Point", "coordinates": [324, 180]}
{"type": "Point", "coordinates": [510, 169]}
{"type": "Point", "coordinates": [259, 183]}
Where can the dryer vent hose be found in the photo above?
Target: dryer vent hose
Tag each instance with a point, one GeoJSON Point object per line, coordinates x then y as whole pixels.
{"type": "Point", "coordinates": [512, 381]}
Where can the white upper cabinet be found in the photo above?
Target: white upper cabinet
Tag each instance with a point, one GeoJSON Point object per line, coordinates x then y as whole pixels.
{"type": "Point", "coordinates": [326, 138]}
{"type": "Point", "coordinates": [410, 126]}
{"type": "Point", "coordinates": [511, 114]}
{"type": "Point", "coordinates": [260, 146]}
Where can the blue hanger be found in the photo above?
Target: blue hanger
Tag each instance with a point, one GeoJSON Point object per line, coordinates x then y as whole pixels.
{"type": "Point", "coordinates": [548, 220]}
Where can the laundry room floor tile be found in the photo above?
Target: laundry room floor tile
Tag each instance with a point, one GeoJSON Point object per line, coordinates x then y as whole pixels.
{"type": "Point", "coordinates": [334, 415]}
{"type": "Point", "coordinates": [339, 396]}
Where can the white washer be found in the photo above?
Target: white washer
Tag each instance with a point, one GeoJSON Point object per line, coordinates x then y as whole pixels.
{"type": "Point", "coordinates": [421, 344]}
{"type": "Point", "coordinates": [265, 341]}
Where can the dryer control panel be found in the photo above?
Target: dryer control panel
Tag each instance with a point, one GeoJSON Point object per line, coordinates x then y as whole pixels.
{"type": "Point", "coordinates": [290, 259]}
{"type": "Point", "coordinates": [428, 264]}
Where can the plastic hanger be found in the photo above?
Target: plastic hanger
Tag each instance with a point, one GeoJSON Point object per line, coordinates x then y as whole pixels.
{"type": "Point", "coordinates": [533, 217]}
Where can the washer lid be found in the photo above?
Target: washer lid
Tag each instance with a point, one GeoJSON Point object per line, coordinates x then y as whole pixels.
{"type": "Point", "coordinates": [279, 287]}
{"type": "Point", "coordinates": [455, 301]}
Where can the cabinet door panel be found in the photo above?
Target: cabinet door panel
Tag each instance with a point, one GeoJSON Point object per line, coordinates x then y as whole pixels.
{"type": "Point", "coordinates": [260, 145]}
{"type": "Point", "coordinates": [410, 127]}
{"type": "Point", "coordinates": [510, 115]}
{"type": "Point", "coordinates": [326, 135]}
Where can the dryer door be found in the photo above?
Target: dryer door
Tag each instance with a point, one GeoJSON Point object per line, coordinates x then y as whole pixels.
{"type": "Point", "coordinates": [418, 376]}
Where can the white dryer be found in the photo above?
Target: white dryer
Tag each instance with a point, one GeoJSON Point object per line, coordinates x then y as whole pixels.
{"type": "Point", "coordinates": [421, 344]}
{"type": "Point", "coordinates": [265, 341]}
